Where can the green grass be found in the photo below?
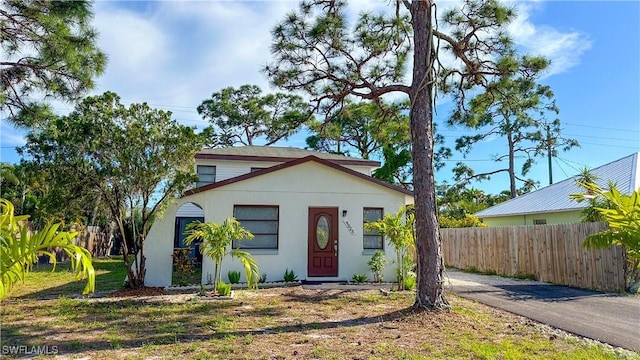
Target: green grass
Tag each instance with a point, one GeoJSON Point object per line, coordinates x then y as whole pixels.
{"type": "Point", "coordinates": [289, 323]}
{"type": "Point", "coordinates": [45, 281]}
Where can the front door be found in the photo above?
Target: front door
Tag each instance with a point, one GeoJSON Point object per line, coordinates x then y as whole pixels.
{"type": "Point", "coordinates": [323, 242]}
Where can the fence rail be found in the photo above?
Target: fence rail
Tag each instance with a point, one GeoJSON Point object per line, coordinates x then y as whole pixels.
{"type": "Point", "coordinates": [552, 253]}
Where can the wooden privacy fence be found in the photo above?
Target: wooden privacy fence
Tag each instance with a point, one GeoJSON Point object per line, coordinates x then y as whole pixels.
{"type": "Point", "coordinates": [551, 253]}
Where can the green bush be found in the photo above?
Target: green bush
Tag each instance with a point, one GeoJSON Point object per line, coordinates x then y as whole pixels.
{"type": "Point", "coordinates": [263, 278]}
{"type": "Point", "coordinates": [223, 289]}
{"type": "Point", "coordinates": [183, 267]}
{"type": "Point", "coordinates": [290, 276]}
{"type": "Point", "coordinates": [234, 276]}
{"type": "Point", "coordinates": [359, 278]}
{"type": "Point", "coordinates": [410, 281]}
{"type": "Point", "coordinates": [376, 264]}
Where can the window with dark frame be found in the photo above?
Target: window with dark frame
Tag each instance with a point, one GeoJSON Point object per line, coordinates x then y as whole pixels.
{"type": "Point", "coordinates": [372, 240]}
{"type": "Point", "coordinates": [206, 175]}
{"type": "Point", "coordinates": [179, 236]}
{"type": "Point", "coordinates": [262, 221]}
{"type": "Point", "coordinates": [539, 221]}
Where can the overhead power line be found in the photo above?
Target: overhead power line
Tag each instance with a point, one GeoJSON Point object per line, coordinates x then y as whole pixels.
{"type": "Point", "coordinates": [601, 127]}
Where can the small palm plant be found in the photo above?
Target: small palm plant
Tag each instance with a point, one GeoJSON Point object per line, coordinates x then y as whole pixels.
{"type": "Point", "coordinates": [20, 249]}
{"type": "Point", "coordinates": [398, 229]}
{"type": "Point", "coordinates": [216, 240]}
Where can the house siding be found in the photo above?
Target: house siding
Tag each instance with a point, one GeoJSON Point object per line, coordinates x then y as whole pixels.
{"type": "Point", "coordinates": [226, 169]}
{"type": "Point", "coordinates": [564, 217]}
{"type": "Point", "coordinates": [294, 190]}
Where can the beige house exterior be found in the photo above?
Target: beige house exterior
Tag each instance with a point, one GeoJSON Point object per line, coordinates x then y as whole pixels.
{"type": "Point", "coordinates": [553, 205]}
{"type": "Point", "coordinates": [307, 213]}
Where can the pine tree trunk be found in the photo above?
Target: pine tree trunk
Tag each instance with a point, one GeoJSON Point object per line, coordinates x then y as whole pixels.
{"type": "Point", "coordinates": [430, 283]}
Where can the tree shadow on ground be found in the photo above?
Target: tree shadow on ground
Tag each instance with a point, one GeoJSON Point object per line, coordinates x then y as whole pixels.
{"type": "Point", "coordinates": [202, 321]}
{"type": "Point", "coordinates": [538, 292]}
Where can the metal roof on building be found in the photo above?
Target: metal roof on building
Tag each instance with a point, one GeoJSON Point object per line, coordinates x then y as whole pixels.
{"type": "Point", "coordinates": [625, 173]}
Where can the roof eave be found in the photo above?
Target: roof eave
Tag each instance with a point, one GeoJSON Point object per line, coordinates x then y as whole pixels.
{"type": "Point", "coordinates": [297, 161]}
{"type": "Point", "coordinates": [529, 213]}
{"type": "Point", "coordinates": [360, 162]}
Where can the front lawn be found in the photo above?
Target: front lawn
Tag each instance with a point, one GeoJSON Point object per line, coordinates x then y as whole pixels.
{"type": "Point", "coordinates": [280, 323]}
{"type": "Point", "coordinates": [42, 282]}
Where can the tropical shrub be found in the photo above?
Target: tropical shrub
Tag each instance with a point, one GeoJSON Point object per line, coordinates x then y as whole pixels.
{"type": "Point", "coordinates": [182, 266]}
{"type": "Point", "coordinates": [290, 276]}
{"type": "Point", "coordinates": [410, 281]}
{"type": "Point", "coordinates": [234, 276]}
{"type": "Point", "coordinates": [452, 222]}
{"type": "Point", "coordinates": [623, 216]}
{"type": "Point", "coordinates": [20, 249]}
{"type": "Point", "coordinates": [223, 289]}
{"type": "Point", "coordinates": [359, 278]}
{"type": "Point", "coordinates": [216, 239]}
{"type": "Point", "coordinates": [376, 264]}
{"type": "Point", "coordinates": [398, 229]}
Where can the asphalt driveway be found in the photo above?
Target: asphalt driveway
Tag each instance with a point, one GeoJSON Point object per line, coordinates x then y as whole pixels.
{"type": "Point", "coordinates": [609, 318]}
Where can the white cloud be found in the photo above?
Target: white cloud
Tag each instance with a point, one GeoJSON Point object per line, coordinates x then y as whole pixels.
{"type": "Point", "coordinates": [175, 54]}
{"type": "Point", "coordinates": [10, 135]}
{"type": "Point", "coordinates": [137, 48]}
{"type": "Point", "coordinates": [564, 49]}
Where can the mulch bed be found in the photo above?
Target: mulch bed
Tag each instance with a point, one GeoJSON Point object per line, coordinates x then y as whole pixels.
{"type": "Point", "coordinates": [144, 291]}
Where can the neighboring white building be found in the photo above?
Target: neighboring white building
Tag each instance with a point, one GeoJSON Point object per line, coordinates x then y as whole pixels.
{"type": "Point", "coordinates": [285, 197]}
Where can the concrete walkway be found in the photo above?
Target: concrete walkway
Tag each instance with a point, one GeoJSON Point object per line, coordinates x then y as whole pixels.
{"type": "Point", "coordinates": [609, 318]}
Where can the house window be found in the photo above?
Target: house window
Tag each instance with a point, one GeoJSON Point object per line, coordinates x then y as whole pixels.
{"type": "Point", "coordinates": [206, 175]}
{"type": "Point", "coordinates": [262, 222]}
{"type": "Point", "coordinates": [539, 221]}
{"type": "Point", "coordinates": [179, 236]}
{"type": "Point", "coordinates": [372, 239]}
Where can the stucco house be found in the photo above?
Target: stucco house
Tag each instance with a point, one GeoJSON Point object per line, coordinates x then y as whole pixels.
{"type": "Point", "coordinates": [552, 205]}
{"type": "Point", "coordinates": [288, 198]}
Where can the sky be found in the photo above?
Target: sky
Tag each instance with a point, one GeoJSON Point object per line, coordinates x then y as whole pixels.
{"type": "Point", "coordinates": [175, 54]}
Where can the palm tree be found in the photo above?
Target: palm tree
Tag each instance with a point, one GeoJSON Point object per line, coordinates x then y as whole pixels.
{"type": "Point", "coordinates": [20, 249]}
{"type": "Point", "coordinates": [216, 239]}
{"type": "Point", "coordinates": [622, 213]}
{"type": "Point", "coordinates": [398, 229]}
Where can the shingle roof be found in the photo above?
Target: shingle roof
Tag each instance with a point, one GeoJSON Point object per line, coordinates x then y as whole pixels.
{"type": "Point", "coordinates": [293, 163]}
{"type": "Point", "coordinates": [624, 172]}
{"type": "Point", "coordinates": [275, 153]}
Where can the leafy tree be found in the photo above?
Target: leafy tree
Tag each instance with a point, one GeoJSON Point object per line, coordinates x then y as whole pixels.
{"type": "Point", "coordinates": [591, 213]}
{"type": "Point", "coordinates": [240, 116]}
{"type": "Point", "coordinates": [48, 48]}
{"type": "Point", "coordinates": [7, 175]}
{"type": "Point", "coordinates": [20, 249]}
{"type": "Point", "coordinates": [398, 229]}
{"type": "Point", "coordinates": [623, 217]}
{"type": "Point", "coordinates": [216, 240]}
{"type": "Point", "coordinates": [363, 127]}
{"type": "Point", "coordinates": [136, 158]}
{"type": "Point", "coordinates": [513, 107]}
{"type": "Point", "coordinates": [395, 166]}
{"type": "Point", "coordinates": [318, 52]}
{"type": "Point", "coordinates": [47, 195]}
{"type": "Point", "coordinates": [467, 221]}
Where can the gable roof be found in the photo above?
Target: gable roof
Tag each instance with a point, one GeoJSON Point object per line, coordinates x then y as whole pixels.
{"type": "Point", "coordinates": [293, 163]}
{"type": "Point", "coordinates": [277, 154]}
{"type": "Point", "coordinates": [624, 172]}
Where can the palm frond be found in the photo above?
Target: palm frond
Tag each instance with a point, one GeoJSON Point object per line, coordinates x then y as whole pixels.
{"type": "Point", "coordinates": [20, 249]}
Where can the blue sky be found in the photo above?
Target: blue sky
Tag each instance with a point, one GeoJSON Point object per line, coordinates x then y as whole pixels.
{"type": "Point", "coordinates": [173, 55]}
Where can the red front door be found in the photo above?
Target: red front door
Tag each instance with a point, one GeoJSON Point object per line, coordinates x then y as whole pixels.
{"type": "Point", "coordinates": [323, 242]}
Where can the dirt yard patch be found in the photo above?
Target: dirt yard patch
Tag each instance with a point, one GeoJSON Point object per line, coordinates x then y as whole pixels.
{"type": "Point", "coordinates": [288, 323]}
